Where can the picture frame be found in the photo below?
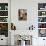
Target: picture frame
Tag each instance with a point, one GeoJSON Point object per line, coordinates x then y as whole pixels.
{"type": "Point", "coordinates": [22, 14]}
{"type": "Point", "coordinates": [42, 33]}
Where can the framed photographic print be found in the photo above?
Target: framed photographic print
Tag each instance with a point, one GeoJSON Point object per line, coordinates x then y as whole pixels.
{"type": "Point", "coordinates": [41, 6]}
{"type": "Point", "coordinates": [4, 29]}
{"type": "Point", "coordinates": [3, 19]}
{"type": "Point", "coordinates": [41, 19]}
{"type": "Point", "coordinates": [42, 32]}
{"type": "Point", "coordinates": [3, 13]}
{"type": "Point", "coordinates": [22, 14]}
{"type": "Point", "coordinates": [41, 25]}
{"type": "Point", "coordinates": [3, 6]}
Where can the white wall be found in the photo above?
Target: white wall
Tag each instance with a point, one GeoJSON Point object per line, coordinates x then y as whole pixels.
{"type": "Point", "coordinates": [32, 13]}
{"type": "Point", "coordinates": [31, 7]}
{"type": "Point", "coordinates": [23, 4]}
